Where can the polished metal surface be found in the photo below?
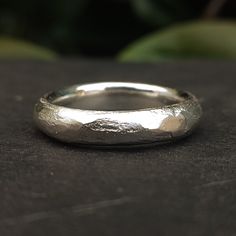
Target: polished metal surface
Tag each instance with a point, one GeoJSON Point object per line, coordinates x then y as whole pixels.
{"type": "Point", "coordinates": [117, 114]}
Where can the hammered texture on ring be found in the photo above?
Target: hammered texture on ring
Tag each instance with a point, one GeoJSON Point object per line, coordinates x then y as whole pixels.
{"type": "Point", "coordinates": [171, 114]}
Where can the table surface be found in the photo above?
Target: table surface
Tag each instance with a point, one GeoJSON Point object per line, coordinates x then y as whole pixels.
{"type": "Point", "coordinates": [51, 188]}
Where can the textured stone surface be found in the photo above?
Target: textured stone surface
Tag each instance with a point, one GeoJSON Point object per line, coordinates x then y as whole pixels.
{"type": "Point", "coordinates": [185, 188]}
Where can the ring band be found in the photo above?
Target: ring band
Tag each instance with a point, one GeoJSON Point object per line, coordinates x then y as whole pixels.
{"type": "Point", "coordinates": [157, 114]}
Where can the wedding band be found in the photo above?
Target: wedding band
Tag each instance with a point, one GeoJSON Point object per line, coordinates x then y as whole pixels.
{"type": "Point", "coordinates": [117, 114]}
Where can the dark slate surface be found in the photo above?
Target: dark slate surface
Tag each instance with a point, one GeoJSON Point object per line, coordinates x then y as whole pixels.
{"type": "Point", "coordinates": [49, 188]}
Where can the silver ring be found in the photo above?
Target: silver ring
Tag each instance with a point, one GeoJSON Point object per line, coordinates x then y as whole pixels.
{"type": "Point", "coordinates": [117, 114]}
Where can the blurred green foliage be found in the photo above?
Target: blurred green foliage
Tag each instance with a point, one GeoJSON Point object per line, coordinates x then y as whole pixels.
{"type": "Point", "coordinates": [99, 28]}
{"type": "Point", "coordinates": [165, 12]}
{"type": "Point", "coordinates": [185, 41]}
{"type": "Point", "coordinates": [75, 27]}
{"type": "Point", "coordinates": [15, 49]}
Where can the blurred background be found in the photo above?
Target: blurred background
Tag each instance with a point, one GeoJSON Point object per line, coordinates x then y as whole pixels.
{"type": "Point", "coordinates": [125, 30]}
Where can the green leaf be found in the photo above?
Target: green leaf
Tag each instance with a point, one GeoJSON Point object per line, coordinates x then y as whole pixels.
{"type": "Point", "coordinates": [192, 40]}
{"type": "Point", "coordinates": [16, 49]}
